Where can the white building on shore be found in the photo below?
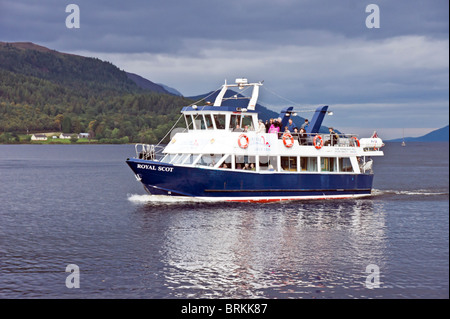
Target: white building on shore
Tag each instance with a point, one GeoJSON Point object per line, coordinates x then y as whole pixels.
{"type": "Point", "coordinates": [38, 137]}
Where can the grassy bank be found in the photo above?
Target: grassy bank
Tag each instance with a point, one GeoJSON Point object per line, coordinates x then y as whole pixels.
{"type": "Point", "coordinates": [8, 138]}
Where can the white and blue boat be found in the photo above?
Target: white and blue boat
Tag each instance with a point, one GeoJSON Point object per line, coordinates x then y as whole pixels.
{"type": "Point", "coordinates": [212, 160]}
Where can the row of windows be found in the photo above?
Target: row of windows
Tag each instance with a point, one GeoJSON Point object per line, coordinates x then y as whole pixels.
{"type": "Point", "coordinates": [263, 163]}
{"type": "Point", "coordinates": [217, 121]}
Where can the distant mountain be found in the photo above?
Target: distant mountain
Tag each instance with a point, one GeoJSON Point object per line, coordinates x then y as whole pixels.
{"type": "Point", "coordinates": [151, 86]}
{"type": "Point", "coordinates": [28, 46]}
{"type": "Point", "coordinates": [146, 84]}
{"type": "Point", "coordinates": [439, 135]}
{"type": "Point", "coordinates": [170, 89]}
{"type": "Point", "coordinates": [29, 59]}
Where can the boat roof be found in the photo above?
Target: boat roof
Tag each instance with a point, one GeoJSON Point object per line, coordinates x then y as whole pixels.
{"type": "Point", "coordinates": [222, 98]}
{"type": "Point", "coordinates": [212, 108]}
{"type": "Point", "coordinates": [241, 83]}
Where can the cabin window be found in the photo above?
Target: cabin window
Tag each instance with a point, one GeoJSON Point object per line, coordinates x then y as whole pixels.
{"type": "Point", "coordinates": [180, 158]}
{"type": "Point", "coordinates": [234, 120]}
{"type": "Point", "coordinates": [245, 162]}
{"type": "Point", "coordinates": [169, 158]}
{"type": "Point", "coordinates": [289, 163]}
{"type": "Point", "coordinates": [209, 121]}
{"type": "Point", "coordinates": [247, 120]}
{"type": "Point", "coordinates": [240, 161]}
{"type": "Point", "coordinates": [328, 164]}
{"type": "Point", "coordinates": [268, 163]}
{"type": "Point", "coordinates": [220, 121]}
{"type": "Point", "coordinates": [199, 122]}
{"type": "Point", "coordinates": [209, 159]}
{"type": "Point", "coordinates": [188, 159]}
{"type": "Point", "coordinates": [345, 165]}
{"type": "Point", "coordinates": [227, 163]}
{"type": "Point", "coordinates": [189, 122]}
{"type": "Point", "coordinates": [308, 164]}
{"type": "Point", "coordinates": [164, 159]}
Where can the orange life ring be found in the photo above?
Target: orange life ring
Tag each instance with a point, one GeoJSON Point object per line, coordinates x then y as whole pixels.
{"type": "Point", "coordinates": [289, 136]}
{"type": "Point", "coordinates": [243, 145]}
{"type": "Point", "coordinates": [318, 146]}
{"type": "Point", "coordinates": [357, 141]}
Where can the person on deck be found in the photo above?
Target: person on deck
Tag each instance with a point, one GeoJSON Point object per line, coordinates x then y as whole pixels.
{"type": "Point", "coordinates": [237, 128]}
{"type": "Point", "coordinates": [274, 128]}
{"type": "Point", "coordinates": [261, 127]}
{"type": "Point", "coordinates": [302, 136]}
{"type": "Point", "coordinates": [291, 126]}
{"type": "Point", "coordinates": [268, 125]}
{"type": "Point", "coordinates": [333, 137]}
{"type": "Point", "coordinates": [305, 125]}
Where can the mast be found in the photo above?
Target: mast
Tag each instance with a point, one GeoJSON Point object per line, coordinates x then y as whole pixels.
{"type": "Point", "coordinates": [240, 83]}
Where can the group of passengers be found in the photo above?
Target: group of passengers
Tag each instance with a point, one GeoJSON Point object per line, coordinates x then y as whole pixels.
{"type": "Point", "coordinates": [274, 126]}
{"type": "Point", "coordinates": [246, 166]}
{"type": "Point", "coordinates": [305, 138]}
{"type": "Point", "coordinates": [239, 129]}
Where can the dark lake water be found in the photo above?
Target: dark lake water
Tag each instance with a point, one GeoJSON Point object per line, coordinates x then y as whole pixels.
{"type": "Point", "coordinates": [81, 204]}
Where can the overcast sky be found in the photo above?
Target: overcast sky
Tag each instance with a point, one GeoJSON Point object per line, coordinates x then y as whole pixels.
{"type": "Point", "coordinates": [308, 52]}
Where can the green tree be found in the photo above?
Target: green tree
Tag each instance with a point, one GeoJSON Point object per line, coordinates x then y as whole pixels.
{"type": "Point", "coordinates": [115, 133]}
{"type": "Point", "coordinates": [66, 125]}
{"type": "Point", "coordinates": [73, 138]}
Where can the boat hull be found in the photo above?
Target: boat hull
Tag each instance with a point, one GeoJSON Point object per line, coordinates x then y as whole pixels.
{"type": "Point", "coordinates": [231, 185]}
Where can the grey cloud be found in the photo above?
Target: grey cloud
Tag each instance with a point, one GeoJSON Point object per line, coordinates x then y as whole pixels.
{"type": "Point", "coordinates": [309, 51]}
{"type": "Point", "coordinates": [164, 26]}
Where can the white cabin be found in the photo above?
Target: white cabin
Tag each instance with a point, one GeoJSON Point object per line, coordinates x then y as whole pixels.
{"type": "Point", "coordinates": [212, 141]}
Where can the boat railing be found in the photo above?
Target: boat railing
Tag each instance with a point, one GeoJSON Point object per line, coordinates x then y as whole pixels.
{"type": "Point", "coordinates": [149, 152]}
{"type": "Point", "coordinates": [336, 139]}
{"type": "Point", "coordinates": [366, 166]}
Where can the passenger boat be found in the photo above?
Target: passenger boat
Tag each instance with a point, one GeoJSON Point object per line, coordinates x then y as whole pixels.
{"type": "Point", "coordinates": [211, 160]}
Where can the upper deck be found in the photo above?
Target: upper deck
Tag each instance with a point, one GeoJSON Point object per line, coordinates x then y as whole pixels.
{"type": "Point", "coordinates": [222, 136]}
{"type": "Point", "coordinates": [215, 127]}
{"type": "Point", "coordinates": [215, 116]}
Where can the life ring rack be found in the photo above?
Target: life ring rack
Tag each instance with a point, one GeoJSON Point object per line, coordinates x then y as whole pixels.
{"type": "Point", "coordinates": [286, 143]}
{"type": "Point", "coordinates": [243, 145]}
{"type": "Point", "coordinates": [319, 144]}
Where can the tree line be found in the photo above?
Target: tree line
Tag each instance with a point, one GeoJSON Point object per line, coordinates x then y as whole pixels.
{"type": "Point", "coordinates": [47, 92]}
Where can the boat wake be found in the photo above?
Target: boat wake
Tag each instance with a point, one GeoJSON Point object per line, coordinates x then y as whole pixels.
{"type": "Point", "coordinates": [417, 192]}
{"type": "Point", "coordinates": [161, 199]}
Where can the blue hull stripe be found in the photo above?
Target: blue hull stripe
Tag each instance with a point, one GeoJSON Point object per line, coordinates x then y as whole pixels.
{"type": "Point", "coordinates": [166, 179]}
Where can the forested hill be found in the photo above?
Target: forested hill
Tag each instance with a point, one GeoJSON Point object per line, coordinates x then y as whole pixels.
{"type": "Point", "coordinates": [42, 90]}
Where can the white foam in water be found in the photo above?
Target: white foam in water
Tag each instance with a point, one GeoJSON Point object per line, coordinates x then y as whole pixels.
{"type": "Point", "coordinates": [419, 192]}
{"type": "Point", "coordinates": [143, 199]}
{"type": "Point", "coordinates": [424, 192]}
{"type": "Point", "coordinates": [162, 199]}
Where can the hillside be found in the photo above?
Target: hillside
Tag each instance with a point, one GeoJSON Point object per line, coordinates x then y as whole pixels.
{"type": "Point", "coordinates": [42, 90]}
{"type": "Point", "coordinates": [147, 84]}
{"type": "Point", "coordinates": [170, 89]}
{"type": "Point", "coordinates": [439, 135]}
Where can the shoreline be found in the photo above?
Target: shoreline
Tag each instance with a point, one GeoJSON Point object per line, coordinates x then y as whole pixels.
{"type": "Point", "coordinates": [105, 143]}
{"type": "Point", "coordinates": [63, 143]}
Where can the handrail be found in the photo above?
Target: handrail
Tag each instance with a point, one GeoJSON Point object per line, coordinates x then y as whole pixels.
{"type": "Point", "coordinates": [148, 151]}
{"type": "Point", "coordinates": [341, 139]}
